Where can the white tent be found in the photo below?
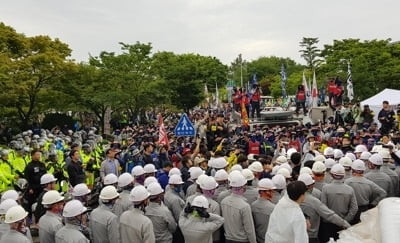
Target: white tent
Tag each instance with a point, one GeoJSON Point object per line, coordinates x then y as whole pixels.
{"type": "Point", "coordinates": [375, 102]}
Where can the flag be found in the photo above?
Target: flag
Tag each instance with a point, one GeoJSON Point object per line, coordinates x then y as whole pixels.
{"type": "Point", "coordinates": [283, 81]}
{"type": "Point", "coordinates": [350, 91]}
{"type": "Point", "coordinates": [305, 83]}
{"type": "Point", "coordinates": [162, 135]}
{"type": "Point", "coordinates": [216, 95]}
{"type": "Point", "coordinates": [314, 92]}
{"type": "Point", "coordinates": [206, 93]}
{"type": "Point", "coordinates": [245, 117]}
{"type": "Point", "coordinates": [253, 80]}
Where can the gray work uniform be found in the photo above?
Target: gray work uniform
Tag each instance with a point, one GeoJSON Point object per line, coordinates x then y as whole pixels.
{"type": "Point", "coordinates": [214, 208]}
{"type": "Point", "coordinates": [14, 237]}
{"type": "Point", "coordinates": [239, 225]}
{"type": "Point", "coordinates": [367, 192]}
{"type": "Point", "coordinates": [385, 168]}
{"type": "Point", "coordinates": [191, 190]}
{"type": "Point", "coordinates": [4, 228]}
{"type": "Point", "coordinates": [223, 195]}
{"type": "Point", "coordinates": [328, 177]}
{"type": "Point", "coordinates": [104, 225]}
{"type": "Point", "coordinates": [49, 224]}
{"type": "Point", "coordinates": [221, 188]}
{"type": "Point", "coordinates": [340, 198]}
{"type": "Point", "coordinates": [70, 234]}
{"type": "Point", "coordinates": [316, 193]}
{"type": "Point", "coordinates": [315, 209]}
{"type": "Point", "coordinates": [122, 204]}
{"type": "Point", "coordinates": [174, 203]}
{"type": "Point", "coordinates": [319, 185]}
{"type": "Point", "coordinates": [136, 227]}
{"type": "Point", "coordinates": [261, 210]}
{"type": "Point", "coordinates": [199, 230]}
{"type": "Point", "coordinates": [251, 194]}
{"type": "Point", "coordinates": [276, 196]}
{"type": "Point", "coordinates": [164, 224]}
{"type": "Point", "coordinates": [381, 179]}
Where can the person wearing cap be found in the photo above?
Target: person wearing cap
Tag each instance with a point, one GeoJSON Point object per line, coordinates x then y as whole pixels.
{"type": "Point", "coordinates": [134, 225]}
{"type": "Point", "coordinates": [280, 188]}
{"type": "Point", "coordinates": [163, 221]}
{"type": "Point", "coordinates": [377, 176]}
{"type": "Point", "coordinates": [315, 210]}
{"type": "Point", "coordinates": [138, 173]}
{"type": "Point", "coordinates": [239, 224]}
{"type": "Point", "coordinates": [51, 221]}
{"type": "Point", "coordinates": [4, 206]}
{"type": "Point", "coordinates": [368, 194]}
{"type": "Point", "coordinates": [74, 230]}
{"type": "Point", "coordinates": [318, 170]}
{"type": "Point", "coordinates": [125, 184]}
{"type": "Point", "coordinates": [386, 168]}
{"type": "Point", "coordinates": [288, 223]}
{"type": "Point", "coordinates": [103, 223]}
{"type": "Point", "coordinates": [32, 173]}
{"type": "Point", "coordinates": [48, 182]}
{"type": "Point", "coordinates": [197, 223]}
{"type": "Point", "coordinates": [262, 208]}
{"type": "Point", "coordinates": [110, 164]}
{"type": "Point", "coordinates": [16, 219]}
{"type": "Point", "coordinates": [340, 198]}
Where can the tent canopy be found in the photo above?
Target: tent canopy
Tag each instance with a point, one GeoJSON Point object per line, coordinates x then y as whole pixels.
{"type": "Point", "coordinates": [391, 95]}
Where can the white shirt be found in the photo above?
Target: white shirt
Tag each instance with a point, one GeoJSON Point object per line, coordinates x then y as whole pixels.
{"type": "Point", "coordinates": [287, 223]}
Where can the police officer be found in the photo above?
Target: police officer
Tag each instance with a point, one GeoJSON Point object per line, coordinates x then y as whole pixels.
{"type": "Point", "coordinates": [134, 225]}
{"type": "Point", "coordinates": [314, 209]}
{"type": "Point", "coordinates": [6, 171]}
{"type": "Point", "coordinates": [262, 208]}
{"type": "Point", "coordinates": [74, 230]}
{"type": "Point", "coordinates": [368, 193]}
{"type": "Point", "coordinates": [16, 218]}
{"type": "Point", "coordinates": [104, 224]}
{"type": "Point", "coordinates": [340, 198]}
{"type": "Point", "coordinates": [197, 224]}
{"type": "Point", "coordinates": [378, 177]}
{"type": "Point", "coordinates": [163, 221]}
{"type": "Point", "coordinates": [51, 221]}
{"type": "Point", "coordinates": [239, 225]}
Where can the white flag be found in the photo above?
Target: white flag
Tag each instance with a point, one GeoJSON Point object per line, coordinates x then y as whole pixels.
{"type": "Point", "coordinates": [314, 92]}
{"type": "Point", "coordinates": [350, 91]}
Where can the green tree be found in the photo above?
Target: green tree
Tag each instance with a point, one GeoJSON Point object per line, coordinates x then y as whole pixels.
{"type": "Point", "coordinates": [310, 52]}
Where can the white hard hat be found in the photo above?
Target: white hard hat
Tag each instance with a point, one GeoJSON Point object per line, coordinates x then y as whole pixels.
{"type": "Point", "coordinates": [73, 208]}
{"type": "Point", "coordinates": [351, 156]}
{"type": "Point", "coordinates": [337, 153]}
{"type": "Point", "coordinates": [338, 169]}
{"type": "Point", "coordinates": [250, 157]}
{"type": "Point", "coordinates": [306, 170]}
{"type": "Point", "coordinates": [329, 151]}
{"type": "Point", "coordinates": [236, 167]}
{"type": "Point", "coordinates": [201, 178]}
{"type": "Point", "coordinates": [137, 171]}
{"type": "Point", "coordinates": [275, 169]}
{"type": "Point", "coordinates": [7, 204]}
{"type": "Point", "coordinates": [376, 159]}
{"type": "Point", "coordinates": [138, 194]}
{"type": "Point", "coordinates": [10, 194]}
{"type": "Point", "coordinates": [285, 172]}
{"type": "Point", "coordinates": [221, 175]}
{"type": "Point", "coordinates": [154, 189]}
{"type": "Point", "coordinates": [358, 165]}
{"type": "Point", "coordinates": [279, 181]}
{"type": "Point", "coordinates": [265, 184]}
{"type": "Point", "coordinates": [329, 163]}
{"type": "Point", "coordinates": [287, 166]}
{"type": "Point", "coordinates": [281, 159]}
{"type": "Point", "coordinates": [80, 190]}
{"type": "Point", "coordinates": [47, 178]}
{"type": "Point", "coordinates": [236, 179]}
{"type": "Point", "coordinates": [385, 154]}
{"type": "Point", "coordinates": [125, 179]}
{"type": "Point", "coordinates": [108, 193]}
{"type": "Point", "coordinates": [175, 180]}
{"type": "Point", "coordinates": [290, 152]}
{"type": "Point", "coordinates": [256, 166]}
{"type": "Point", "coordinates": [195, 172]}
{"type": "Point", "coordinates": [306, 178]}
{"type": "Point", "coordinates": [149, 180]}
{"type": "Point", "coordinates": [318, 167]}
{"type": "Point", "coordinates": [360, 148]}
{"type": "Point", "coordinates": [15, 214]}
{"type": "Point", "coordinates": [319, 157]}
{"type": "Point", "coordinates": [219, 163]}
{"type": "Point", "coordinates": [208, 183]}
{"type": "Point", "coordinates": [345, 161]}
{"type": "Point", "coordinates": [201, 202]}
{"type": "Point", "coordinates": [110, 179]}
{"type": "Point", "coordinates": [248, 174]}
{"type": "Point", "coordinates": [149, 168]}
{"type": "Point", "coordinates": [376, 148]}
{"type": "Point", "coordinates": [365, 155]}
{"type": "Point", "coordinates": [174, 171]}
{"type": "Point", "coordinates": [52, 197]}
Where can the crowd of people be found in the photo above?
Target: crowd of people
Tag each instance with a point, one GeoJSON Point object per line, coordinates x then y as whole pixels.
{"type": "Point", "coordinates": [228, 183]}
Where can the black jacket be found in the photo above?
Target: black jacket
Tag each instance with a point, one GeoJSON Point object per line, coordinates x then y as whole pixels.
{"type": "Point", "coordinates": [75, 173]}
{"type": "Point", "coordinates": [33, 171]}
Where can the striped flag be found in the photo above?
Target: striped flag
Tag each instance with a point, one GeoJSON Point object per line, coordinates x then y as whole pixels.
{"type": "Point", "coordinates": [350, 91]}
{"type": "Point", "coordinates": [283, 81]}
{"type": "Point", "coordinates": [216, 95]}
{"type": "Point", "coordinates": [162, 135]}
{"type": "Point", "coordinates": [314, 92]}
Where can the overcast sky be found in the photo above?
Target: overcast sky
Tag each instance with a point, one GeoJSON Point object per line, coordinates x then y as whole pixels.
{"type": "Point", "coordinates": [220, 28]}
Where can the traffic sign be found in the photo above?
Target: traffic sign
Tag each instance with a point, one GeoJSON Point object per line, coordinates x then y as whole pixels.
{"type": "Point", "coordinates": [184, 127]}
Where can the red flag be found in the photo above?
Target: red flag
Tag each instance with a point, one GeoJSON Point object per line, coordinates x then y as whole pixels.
{"type": "Point", "coordinates": [162, 135]}
{"type": "Point", "coordinates": [245, 118]}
